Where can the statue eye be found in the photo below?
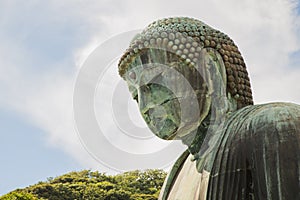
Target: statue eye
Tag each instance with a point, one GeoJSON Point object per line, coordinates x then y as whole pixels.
{"type": "Point", "coordinates": [157, 78]}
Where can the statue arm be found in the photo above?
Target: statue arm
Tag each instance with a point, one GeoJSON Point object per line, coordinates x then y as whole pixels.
{"type": "Point", "coordinates": [276, 152]}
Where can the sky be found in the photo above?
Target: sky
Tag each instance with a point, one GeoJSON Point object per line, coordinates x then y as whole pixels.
{"type": "Point", "coordinates": [46, 46]}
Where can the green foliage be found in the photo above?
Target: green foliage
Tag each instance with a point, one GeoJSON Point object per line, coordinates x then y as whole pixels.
{"type": "Point", "coordinates": [134, 185]}
{"type": "Point", "coordinates": [18, 195]}
{"type": "Point", "coordinates": [143, 197]}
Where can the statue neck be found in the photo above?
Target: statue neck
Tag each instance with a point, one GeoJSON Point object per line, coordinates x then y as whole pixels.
{"type": "Point", "coordinates": [215, 116]}
{"type": "Point", "coordinates": [195, 139]}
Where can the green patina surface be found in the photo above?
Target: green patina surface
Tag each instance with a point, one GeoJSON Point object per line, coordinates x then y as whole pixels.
{"type": "Point", "coordinates": [191, 83]}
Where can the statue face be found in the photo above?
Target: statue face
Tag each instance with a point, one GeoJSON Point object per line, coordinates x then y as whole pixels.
{"type": "Point", "coordinates": [159, 106]}
{"type": "Point", "coordinates": [167, 101]}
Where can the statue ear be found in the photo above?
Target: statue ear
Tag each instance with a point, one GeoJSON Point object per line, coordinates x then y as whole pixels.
{"type": "Point", "coordinates": [212, 66]}
{"type": "Point", "coordinates": [211, 63]}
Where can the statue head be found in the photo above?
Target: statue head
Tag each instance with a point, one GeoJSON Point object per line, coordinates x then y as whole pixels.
{"type": "Point", "coordinates": [176, 69]}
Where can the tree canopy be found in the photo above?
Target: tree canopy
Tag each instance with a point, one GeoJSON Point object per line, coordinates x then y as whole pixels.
{"type": "Point", "coordinates": [93, 185]}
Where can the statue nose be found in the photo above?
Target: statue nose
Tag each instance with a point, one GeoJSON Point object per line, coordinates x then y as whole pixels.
{"type": "Point", "coordinates": [145, 98]}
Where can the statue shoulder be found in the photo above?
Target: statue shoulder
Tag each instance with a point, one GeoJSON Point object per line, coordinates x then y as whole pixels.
{"type": "Point", "coordinates": [258, 116]}
{"type": "Point", "coordinates": [259, 153]}
{"type": "Point", "coordinates": [270, 117]}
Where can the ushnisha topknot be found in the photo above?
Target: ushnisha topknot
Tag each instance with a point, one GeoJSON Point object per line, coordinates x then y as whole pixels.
{"type": "Point", "coordinates": [186, 37]}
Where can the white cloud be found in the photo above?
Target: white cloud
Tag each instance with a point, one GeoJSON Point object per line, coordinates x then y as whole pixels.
{"type": "Point", "coordinates": [267, 32]}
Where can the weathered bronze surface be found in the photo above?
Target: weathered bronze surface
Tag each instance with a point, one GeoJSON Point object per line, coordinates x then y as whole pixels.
{"type": "Point", "coordinates": [191, 83]}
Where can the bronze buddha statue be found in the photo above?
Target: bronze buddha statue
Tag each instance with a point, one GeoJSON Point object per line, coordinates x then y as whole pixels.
{"type": "Point", "coordinates": [191, 83]}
